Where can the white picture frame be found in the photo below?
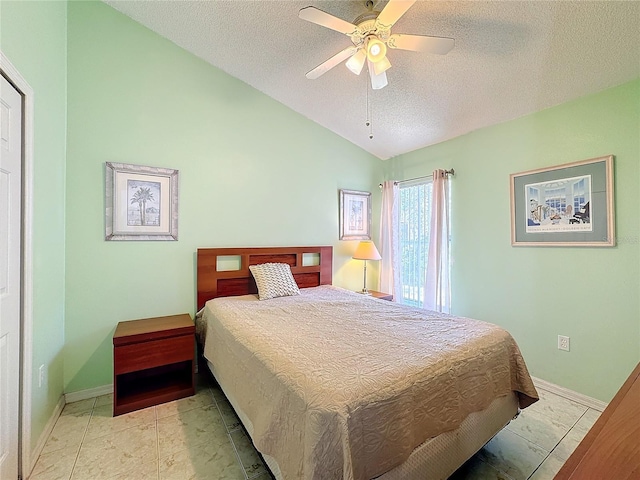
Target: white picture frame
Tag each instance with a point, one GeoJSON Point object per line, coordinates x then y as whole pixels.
{"type": "Point", "coordinates": [355, 215]}
{"type": "Point", "coordinates": [141, 203]}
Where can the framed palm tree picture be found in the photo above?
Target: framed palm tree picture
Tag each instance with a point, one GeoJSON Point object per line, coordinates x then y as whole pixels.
{"type": "Point", "coordinates": [141, 203]}
{"type": "Point", "coordinates": [355, 215]}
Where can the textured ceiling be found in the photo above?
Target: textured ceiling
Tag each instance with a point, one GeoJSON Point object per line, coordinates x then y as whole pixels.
{"type": "Point", "coordinates": [510, 59]}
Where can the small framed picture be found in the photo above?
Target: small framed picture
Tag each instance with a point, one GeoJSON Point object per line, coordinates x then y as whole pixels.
{"type": "Point", "coordinates": [355, 215]}
{"type": "Point", "coordinates": [565, 205]}
{"type": "Point", "coordinates": [141, 203]}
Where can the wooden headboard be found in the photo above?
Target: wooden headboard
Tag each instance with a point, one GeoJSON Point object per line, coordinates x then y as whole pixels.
{"type": "Point", "coordinates": [213, 283]}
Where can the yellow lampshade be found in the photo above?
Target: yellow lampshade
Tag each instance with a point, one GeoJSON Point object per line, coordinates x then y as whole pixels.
{"type": "Point", "coordinates": [376, 50]}
{"type": "Point", "coordinates": [366, 250]}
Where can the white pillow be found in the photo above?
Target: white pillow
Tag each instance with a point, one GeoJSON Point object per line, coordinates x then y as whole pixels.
{"type": "Point", "coordinates": [274, 280]}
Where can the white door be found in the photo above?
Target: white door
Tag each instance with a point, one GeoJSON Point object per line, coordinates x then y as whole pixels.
{"type": "Point", "coordinates": [10, 282]}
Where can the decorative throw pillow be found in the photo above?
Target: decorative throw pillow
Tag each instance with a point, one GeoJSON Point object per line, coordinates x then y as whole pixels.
{"type": "Point", "coordinates": [274, 280]}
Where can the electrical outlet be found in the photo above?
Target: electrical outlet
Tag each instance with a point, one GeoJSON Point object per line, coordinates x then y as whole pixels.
{"type": "Point", "coordinates": [563, 343]}
{"type": "Point", "coordinates": [41, 375]}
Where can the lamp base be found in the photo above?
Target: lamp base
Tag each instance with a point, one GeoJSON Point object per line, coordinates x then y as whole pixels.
{"type": "Point", "coordinates": [364, 291]}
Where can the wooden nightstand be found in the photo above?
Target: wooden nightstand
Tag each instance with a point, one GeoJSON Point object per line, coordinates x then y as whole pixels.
{"type": "Point", "coordinates": [381, 295]}
{"type": "Point", "coordinates": [153, 362]}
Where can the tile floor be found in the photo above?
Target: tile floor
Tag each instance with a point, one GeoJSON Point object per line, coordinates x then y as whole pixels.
{"type": "Point", "coordinates": [200, 437]}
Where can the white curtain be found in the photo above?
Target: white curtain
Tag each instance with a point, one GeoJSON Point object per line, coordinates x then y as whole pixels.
{"type": "Point", "coordinates": [389, 245]}
{"type": "Point", "coordinates": [437, 287]}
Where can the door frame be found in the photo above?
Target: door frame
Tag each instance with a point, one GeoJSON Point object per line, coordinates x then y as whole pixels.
{"type": "Point", "coordinates": [26, 325]}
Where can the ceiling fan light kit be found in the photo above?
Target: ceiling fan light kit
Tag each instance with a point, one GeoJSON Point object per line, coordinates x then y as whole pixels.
{"type": "Point", "coordinates": [356, 62]}
{"type": "Point", "coordinates": [371, 36]}
{"type": "Point", "coordinates": [378, 80]}
{"type": "Point", "coordinates": [376, 50]}
{"type": "Point", "coordinates": [381, 65]}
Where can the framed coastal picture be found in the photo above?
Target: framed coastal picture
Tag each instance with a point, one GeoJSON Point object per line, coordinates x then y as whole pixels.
{"type": "Point", "coordinates": [355, 215]}
{"type": "Point", "coordinates": [141, 202]}
{"type": "Point", "coordinates": [565, 205]}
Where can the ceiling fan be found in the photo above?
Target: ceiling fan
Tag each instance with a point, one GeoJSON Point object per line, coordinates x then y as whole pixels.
{"type": "Point", "coordinates": [371, 35]}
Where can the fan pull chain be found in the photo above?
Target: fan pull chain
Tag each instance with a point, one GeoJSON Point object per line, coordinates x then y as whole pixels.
{"type": "Point", "coordinates": [369, 122]}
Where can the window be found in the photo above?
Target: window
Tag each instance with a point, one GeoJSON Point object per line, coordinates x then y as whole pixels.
{"type": "Point", "coordinates": [556, 200]}
{"type": "Point", "coordinates": [414, 219]}
{"type": "Point", "coordinates": [579, 197]}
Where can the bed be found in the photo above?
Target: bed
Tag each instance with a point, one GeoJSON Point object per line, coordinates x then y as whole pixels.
{"type": "Point", "coordinates": [332, 384]}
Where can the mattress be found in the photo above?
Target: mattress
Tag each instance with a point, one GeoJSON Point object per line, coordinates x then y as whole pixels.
{"type": "Point", "coordinates": [338, 385]}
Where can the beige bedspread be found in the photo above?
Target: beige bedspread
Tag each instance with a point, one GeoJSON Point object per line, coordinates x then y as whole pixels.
{"type": "Point", "coordinates": [339, 385]}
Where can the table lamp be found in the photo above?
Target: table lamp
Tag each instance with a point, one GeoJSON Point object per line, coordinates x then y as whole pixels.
{"type": "Point", "coordinates": [366, 251]}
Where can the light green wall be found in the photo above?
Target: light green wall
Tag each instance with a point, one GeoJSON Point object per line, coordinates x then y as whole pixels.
{"type": "Point", "coordinates": [137, 98]}
{"type": "Point", "coordinates": [589, 294]}
{"type": "Point", "coordinates": [33, 37]}
{"type": "Point", "coordinates": [252, 173]}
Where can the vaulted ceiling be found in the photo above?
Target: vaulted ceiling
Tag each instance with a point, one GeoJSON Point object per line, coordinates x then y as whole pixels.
{"type": "Point", "coordinates": [511, 58]}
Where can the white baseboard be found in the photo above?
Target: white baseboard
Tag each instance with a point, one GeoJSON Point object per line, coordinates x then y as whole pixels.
{"type": "Point", "coordinates": [570, 394]}
{"type": "Point", "coordinates": [88, 393]}
{"type": "Point", "coordinates": [48, 428]}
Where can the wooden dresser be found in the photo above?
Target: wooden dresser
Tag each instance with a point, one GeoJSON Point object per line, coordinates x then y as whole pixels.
{"type": "Point", "coordinates": [611, 449]}
{"type": "Point", "coordinates": [153, 362]}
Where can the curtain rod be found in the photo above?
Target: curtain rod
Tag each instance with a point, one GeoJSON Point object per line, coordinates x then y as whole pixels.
{"type": "Point", "coordinates": [446, 172]}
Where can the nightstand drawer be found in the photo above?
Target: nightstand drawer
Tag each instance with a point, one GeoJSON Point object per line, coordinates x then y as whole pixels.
{"type": "Point", "coordinates": [155, 353]}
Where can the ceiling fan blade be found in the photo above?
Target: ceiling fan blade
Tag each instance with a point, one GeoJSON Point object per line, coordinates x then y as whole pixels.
{"type": "Point", "coordinates": [356, 62]}
{"type": "Point", "coordinates": [317, 16]}
{"type": "Point", "coordinates": [421, 43]}
{"type": "Point", "coordinates": [392, 12]}
{"type": "Point", "coordinates": [332, 62]}
{"type": "Point", "coordinates": [377, 81]}
{"type": "Point", "coordinates": [382, 66]}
